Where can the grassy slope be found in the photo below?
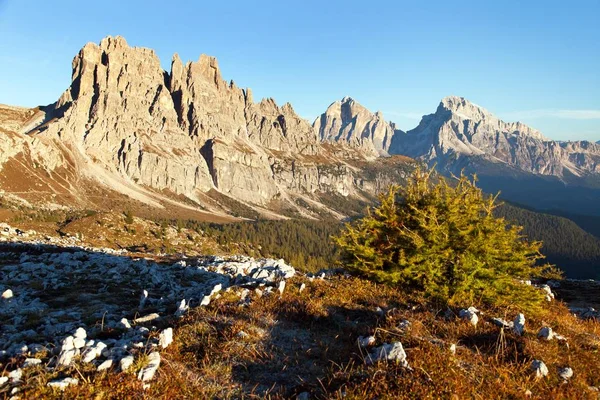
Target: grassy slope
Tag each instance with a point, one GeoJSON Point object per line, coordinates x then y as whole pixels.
{"type": "Point", "coordinates": [307, 342]}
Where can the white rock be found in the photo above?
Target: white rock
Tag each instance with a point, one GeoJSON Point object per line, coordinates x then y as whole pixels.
{"type": "Point", "coordinates": [143, 298]}
{"type": "Point", "coordinates": [3, 380]}
{"type": "Point", "coordinates": [79, 343]}
{"type": "Point", "coordinates": [565, 373]}
{"type": "Point", "coordinates": [539, 368]}
{"type": "Point", "coordinates": [281, 287]}
{"type": "Point", "coordinates": [502, 323]}
{"type": "Point", "coordinates": [16, 375]}
{"type": "Point", "coordinates": [105, 365]}
{"type": "Point", "coordinates": [147, 373]}
{"type": "Point", "coordinates": [30, 362]}
{"type": "Point", "coordinates": [549, 294]}
{"type": "Point", "coordinates": [182, 309]}
{"type": "Point", "coordinates": [63, 383]}
{"type": "Point", "coordinates": [68, 343]}
{"type": "Point", "coordinates": [366, 341]}
{"type": "Point", "coordinates": [126, 362]}
{"type": "Point", "coordinates": [216, 289]}
{"type": "Point", "coordinates": [469, 315]}
{"type": "Point", "coordinates": [452, 348]}
{"type": "Point", "coordinates": [388, 352]}
{"type": "Point", "coordinates": [546, 333]}
{"type": "Point", "coordinates": [519, 324]}
{"type": "Point", "coordinates": [7, 294]}
{"type": "Point", "coordinates": [205, 301]}
{"type": "Point", "coordinates": [91, 353]}
{"type": "Point", "coordinates": [67, 351]}
{"type": "Point", "coordinates": [80, 333]}
{"type": "Point", "coordinates": [165, 338]}
{"type": "Point", "coordinates": [124, 323]}
{"type": "Point", "coordinates": [302, 287]}
{"type": "Point", "coordinates": [146, 318]}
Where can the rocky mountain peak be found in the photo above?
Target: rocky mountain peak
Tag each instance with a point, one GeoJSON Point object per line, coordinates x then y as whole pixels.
{"type": "Point", "coordinates": [464, 108]}
{"type": "Point", "coordinates": [347, 121]}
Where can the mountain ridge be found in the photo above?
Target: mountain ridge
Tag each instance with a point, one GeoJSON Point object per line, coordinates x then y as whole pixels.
{"type": "Point", "coordinates": [154, 135]}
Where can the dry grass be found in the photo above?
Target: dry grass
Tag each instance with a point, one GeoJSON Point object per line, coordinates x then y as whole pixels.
{"type": "Point", "coordinates": [307, 342]}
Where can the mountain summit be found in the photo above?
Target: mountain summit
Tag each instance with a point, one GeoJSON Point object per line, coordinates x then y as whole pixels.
{"type": "Point", "coordinates": [349, 122]}
{"type": "Point", "coordinates": [460, 132]}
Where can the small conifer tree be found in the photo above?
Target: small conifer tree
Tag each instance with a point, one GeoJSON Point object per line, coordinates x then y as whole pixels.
{"type": "Point", "coordinates": [443, 241]}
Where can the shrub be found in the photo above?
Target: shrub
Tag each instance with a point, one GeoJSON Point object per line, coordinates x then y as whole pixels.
{"type": "Point", "coordinates": [128, 217]}
{"type": "Point", "coordinates": [443, 241]}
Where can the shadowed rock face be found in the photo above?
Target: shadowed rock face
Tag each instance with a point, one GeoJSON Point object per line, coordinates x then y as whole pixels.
{"type": "Point", "coordinates": [129, 124]}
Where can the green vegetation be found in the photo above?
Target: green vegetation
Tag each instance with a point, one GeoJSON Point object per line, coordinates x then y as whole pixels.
{"type": "Point", "coordinates": [304, 244]}
{"type": "Point", "coordinates": [565, 244]}
{"type": "Point", "coordinates": [443, 241]}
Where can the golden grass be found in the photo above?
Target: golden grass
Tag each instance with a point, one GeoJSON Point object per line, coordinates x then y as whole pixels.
{"type": "Point", "coordinates": [307, 342]}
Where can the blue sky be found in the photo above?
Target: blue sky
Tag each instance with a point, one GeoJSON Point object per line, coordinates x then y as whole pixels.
{"type": "Point", "coordinates": [534, 61]}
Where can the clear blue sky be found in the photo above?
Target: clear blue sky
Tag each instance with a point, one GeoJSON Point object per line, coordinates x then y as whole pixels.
{"type": "Point", "coordinates": [534, 61]}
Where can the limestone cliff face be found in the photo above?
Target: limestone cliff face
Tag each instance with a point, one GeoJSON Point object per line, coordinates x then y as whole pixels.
{"type": "Point", "coordinates": [460, 130]}
{"type": "Point", "coordinates": [127, 123]}
{"type": "Point", "coordinates": [349, 122]}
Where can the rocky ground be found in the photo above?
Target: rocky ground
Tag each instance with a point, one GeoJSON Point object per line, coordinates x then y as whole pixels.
{"type": "Point", "coordinates": [86, 322]}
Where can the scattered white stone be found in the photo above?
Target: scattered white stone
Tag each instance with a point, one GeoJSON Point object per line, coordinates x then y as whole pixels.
{"type": "Point", "coordinates": [469, 315]}
{"type": "Point", "coordinates": [126, 362]}
{"type": "Point", "coordinates": [165, 338]}
{"type": "Point", "coordinates": [124, 322]}
{"type": "Point", "coordinates": [16, 375]}
{"type": "Point", "coordinates": [548, 290]}
{"type": "Point", "coordinates": [79, 343]}
{"type": "Point", "coordinates": [143, 298]}
{"type": "Point", "coordinates": [30, 362]}
{"type": "Point", "coordinates": [546, 333]}
{"type": "Point", "coordinates": [147, 373]}
{"type": "Point", "coordinates": [182, 308]}
{"type": "Point", "coordinates": [519, 324]}
{"type": "Point", "coordinates": [63, 383]}
{"type": "Point", "coordinates": [205, 301]}
{"type": "Point", "coordinates": [146, 318]}
{"type": "Point", "coordinates": [502, 323]}
{"type": "Point", "coordinates": [92, 352]}
{"type": "Point", "coordinates": [281, 287]}
{"type": "Point", "coordinates": [242, 335]}
{"type": "Point", "coordinates": [302, 287]}
{"type": "Point", "coordinates": [80, 333]}
{"type": "Point", "coordinates": [216, 289]}
{"type": "Point", "coordinates": [565, 373]}
{"type": "Point", "coordinates": [388, 352]}
{"type": "Point", "coordinates": [539, 368]}
{"type": "Point", "coordinates": [67, 352]}
{"type": "Point", "coordinates": [7, 294]}
{"type": "Point", "coordinates": [105, 365]}
{"type": "Point", "coordinates": [366, 341]}
{"type": "Point", "coordinates": [3, 380]}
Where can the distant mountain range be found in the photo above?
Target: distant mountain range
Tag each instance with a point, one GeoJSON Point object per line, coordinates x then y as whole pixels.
{"type": "Point", "coordinates": [186, 138]}
{"type": "Point", "coordinates": [462, 137]}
